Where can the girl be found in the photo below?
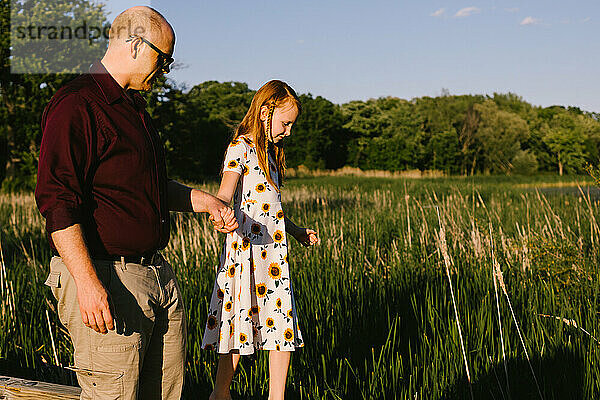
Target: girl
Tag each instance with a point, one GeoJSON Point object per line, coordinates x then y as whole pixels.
{"type": "Point", "coordinates": [252, 305]}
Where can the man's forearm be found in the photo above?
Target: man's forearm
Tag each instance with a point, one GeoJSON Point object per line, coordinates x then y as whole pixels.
{"type": "Point", "coordinates": [72, 248]}
{"type": "Point", "coordinates": [184, 198]}
{"type": "Point", "coordinates": [180, 196]}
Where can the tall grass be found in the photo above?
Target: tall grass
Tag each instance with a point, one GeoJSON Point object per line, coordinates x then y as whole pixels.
{"type": "Point", "coordinates": [374, 300]}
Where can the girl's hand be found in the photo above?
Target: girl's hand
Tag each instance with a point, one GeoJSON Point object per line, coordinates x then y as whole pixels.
{"type": "Point", "coordinates": [226, 222]}
{"type": "Point", "coordinates": [307, 237]}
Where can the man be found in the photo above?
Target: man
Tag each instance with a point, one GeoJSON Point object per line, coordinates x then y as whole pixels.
{"type": "Point", "coordinates": [103, 189]}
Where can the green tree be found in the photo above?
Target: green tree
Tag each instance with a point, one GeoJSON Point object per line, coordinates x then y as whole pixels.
{"type": "Point", "coordinates": [195, 141]}
{"type": "Point", "coordinates": [445, 114]}
{"type": "Point", "coordinates": [226, 102]}
{"type": "Point", "coordinates": [319, 139]}
{"type": "Point", "coordinates": [524, 163]}
{"type": "Point", "coordinates": [365, 119]}
{"type": "Point", "coordinates": [445, 150]}
{"type": "Point", "coordinates": [499, 136]}
{"type": "Point", "coordinates": [385, 133]}
{"type": "Point", "coordinates": [591, 129]}
{"type": "Point", "coordinates": [565, 138]}
{"type": "Point", "coordinates": [24, 96]}
{"type": "Point", "coordinates": [514, 103]}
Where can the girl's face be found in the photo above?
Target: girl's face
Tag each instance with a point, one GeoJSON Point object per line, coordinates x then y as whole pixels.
{"type": "Point", "coordinates": [282, 121]}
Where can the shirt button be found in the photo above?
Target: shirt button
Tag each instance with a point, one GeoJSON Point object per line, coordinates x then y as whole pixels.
{"type": "Point", "coordinates": [163, 220]}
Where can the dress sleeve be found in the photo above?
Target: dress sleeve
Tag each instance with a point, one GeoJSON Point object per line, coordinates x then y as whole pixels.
{"type": "Point", "coordinates": [235, 158]}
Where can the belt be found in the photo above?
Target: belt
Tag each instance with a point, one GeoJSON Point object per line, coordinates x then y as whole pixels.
{"type": "Point", "coordinates": [148, 259]}
{"type": "Point", "coordinates": [154, 258]}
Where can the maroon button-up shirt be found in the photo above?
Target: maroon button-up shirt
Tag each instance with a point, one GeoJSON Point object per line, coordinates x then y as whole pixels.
{"type": "Point", "coordinates": [102, 165]}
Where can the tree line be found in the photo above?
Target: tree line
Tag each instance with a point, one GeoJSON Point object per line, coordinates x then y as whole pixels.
{"type": "Point", "coordinates": [469, 134]}
{"type": "Point", "coordinates": [457, 134]}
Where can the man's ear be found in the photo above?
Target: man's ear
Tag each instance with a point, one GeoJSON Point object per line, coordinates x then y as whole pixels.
{"type": "Point", "coordinates": [135, 47]}
{"type": "Point", "coordinates": [264, 113]}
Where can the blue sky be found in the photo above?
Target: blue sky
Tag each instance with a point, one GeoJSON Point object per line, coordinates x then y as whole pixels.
{"type": "Point", "coordinates": [544, 50]}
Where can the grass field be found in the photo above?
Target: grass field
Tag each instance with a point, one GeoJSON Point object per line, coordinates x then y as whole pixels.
{"type": "Point", "coordinates": [403, 263]}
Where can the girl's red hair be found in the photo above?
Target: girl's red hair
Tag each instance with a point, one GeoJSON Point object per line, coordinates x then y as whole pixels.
{"type": "Point", "coordinates": [272, 94]}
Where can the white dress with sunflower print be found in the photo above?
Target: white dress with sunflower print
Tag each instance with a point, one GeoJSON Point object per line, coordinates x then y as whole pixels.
{"type": "Point", "coordinates": [252, 305]}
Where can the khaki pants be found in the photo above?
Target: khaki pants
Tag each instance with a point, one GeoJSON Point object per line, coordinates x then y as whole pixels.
{"type": "Point", "coordinates": [144, 357]}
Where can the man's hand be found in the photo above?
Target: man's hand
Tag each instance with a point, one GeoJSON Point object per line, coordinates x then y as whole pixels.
{"type": "Point", "coordinates": [94, 305]}
{"type": "Point", "coordinates": [91, 294]}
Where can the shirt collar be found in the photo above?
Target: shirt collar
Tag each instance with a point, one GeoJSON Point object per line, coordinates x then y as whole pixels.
{"type": "Point", "coordinates": [111, 90]}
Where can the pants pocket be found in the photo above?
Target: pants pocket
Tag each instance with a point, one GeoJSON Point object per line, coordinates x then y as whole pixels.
{"type": "Point", "coordinates": [108, 365]}
{"type": "Point", "coordinates": [120, 347]}
{"type": "Point", "coordinates": [56, 281]}
{"type": "Point", "coordinates": [53, 279]}
{"type": "Point", "coordinates": [99, 385]}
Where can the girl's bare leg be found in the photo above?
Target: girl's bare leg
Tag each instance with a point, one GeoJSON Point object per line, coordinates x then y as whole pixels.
{"type": "Point", "coordinates": [225, 370]}
{"type": "Point", "coordinates": [279, 362]}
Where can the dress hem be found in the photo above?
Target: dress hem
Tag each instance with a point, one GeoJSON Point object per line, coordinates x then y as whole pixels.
{"type": "Point", "coordinates": [245, 352]}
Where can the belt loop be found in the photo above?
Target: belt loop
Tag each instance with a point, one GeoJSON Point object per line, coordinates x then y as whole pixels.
{"type": "Point", "coordinates": [123, 267]}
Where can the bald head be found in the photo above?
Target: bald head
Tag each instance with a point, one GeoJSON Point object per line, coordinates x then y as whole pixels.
{"type": "Point", "coordinates": [136, 62]}
{"type": "Point", "coordinates": [140, 21]}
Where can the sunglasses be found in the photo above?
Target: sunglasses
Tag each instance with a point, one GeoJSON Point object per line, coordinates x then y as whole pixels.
{"type": "Point", "coordinates": [164, 59]}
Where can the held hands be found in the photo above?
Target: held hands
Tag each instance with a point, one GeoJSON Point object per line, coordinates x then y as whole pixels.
{"type": "Point", "coordinates": [94, 305]}
{"type": "Point", "coordinates": [221, 216]}
{"type": "Point", "coordinates": [223, 220]}
{"type": "Point", "coordinates": [307, 237]}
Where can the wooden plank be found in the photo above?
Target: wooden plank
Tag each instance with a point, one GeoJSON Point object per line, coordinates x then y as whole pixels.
{"type": "Point", "coordinates": [17, 388]}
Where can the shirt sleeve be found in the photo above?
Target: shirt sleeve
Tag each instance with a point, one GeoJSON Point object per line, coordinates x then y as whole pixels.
{"type": "Point", "coordinates": [64, 162]}
{"type": "Point", "coordinates": [235, 157]}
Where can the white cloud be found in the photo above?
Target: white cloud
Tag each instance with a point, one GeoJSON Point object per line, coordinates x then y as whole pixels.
{"type": "Point", "coordinates": [588, 19]}
{"type": "Point", "coordinates": [465, 12]}
{"type": "Point", "coordinates": [512, 10]}
{"type": "Point", "coordinates": [529, 21]}
{"type": "Point", "coordinates": [438, 13]}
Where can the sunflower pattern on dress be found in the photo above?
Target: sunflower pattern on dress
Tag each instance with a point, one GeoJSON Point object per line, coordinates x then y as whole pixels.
{"type": "Point", "coordinates": [252, 304]}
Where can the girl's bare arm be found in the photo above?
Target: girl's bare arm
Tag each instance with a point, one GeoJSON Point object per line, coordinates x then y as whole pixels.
{"type": "Point", "coordinates": [225, 194]}
{"type": "Point", "coordinates": [228, 185]}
